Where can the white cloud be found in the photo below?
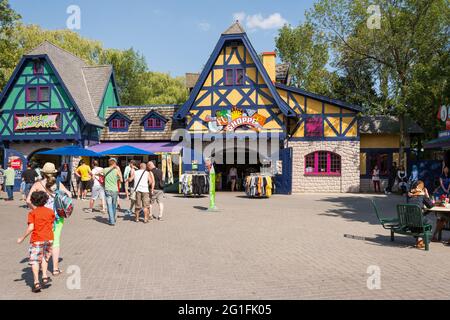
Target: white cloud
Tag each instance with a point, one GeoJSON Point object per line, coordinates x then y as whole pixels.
{"type": "Point", "coordinates": [204, 26]}
{"type": "Point", "coordinates": [258, 21]}
{"type": "Point", "coordinates": [240, 16]}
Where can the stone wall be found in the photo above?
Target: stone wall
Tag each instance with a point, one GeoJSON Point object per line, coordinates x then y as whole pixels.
{"type": "Point", "coordinates": [349, 181]}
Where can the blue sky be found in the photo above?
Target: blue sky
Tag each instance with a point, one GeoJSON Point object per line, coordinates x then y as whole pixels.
{"type": "Point", "coordinates": [174, 36]}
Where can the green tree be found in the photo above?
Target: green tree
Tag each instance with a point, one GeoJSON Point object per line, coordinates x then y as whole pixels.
{"type": "Point", "coordinates": [8, 45]}
{"type": "Point", "coordinates": [307, 53]}
{"type": "Point", "coordinates": [412, 34]}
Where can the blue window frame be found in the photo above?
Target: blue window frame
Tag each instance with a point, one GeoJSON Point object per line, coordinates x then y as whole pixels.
{"type": "Point", "coordinates": [118, 124]}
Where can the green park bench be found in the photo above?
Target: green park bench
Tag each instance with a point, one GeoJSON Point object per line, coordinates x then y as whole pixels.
{"type": "Point", "coordinates": [387, 223]}
{"type": "Point", "coordinates": [411, 223]}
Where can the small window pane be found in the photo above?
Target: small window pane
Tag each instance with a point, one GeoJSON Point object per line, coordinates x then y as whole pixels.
{"type": "Point", "coordinates": [239, 77]}
{"type": "Point", "coordinates": [115, 123]}
{"type": "Point", "coordinates": [335, 163]}
{"type": "Point", "coordinates": [323, 159]}
{"type": "Point", "coordinates": [157, 123]}
{"type": "Point", "coordinates": [32, 94]}
{"type": "Point", "coordinates": [44, 94]}
{"type": "Point", "coordinates": [309, 163]}
{"type": "Point", "coordinates": [229, 77]}
{"type": "Point", "coordinates": [38, 67]}
{"type": "Point", "coordinates": [122, 123]}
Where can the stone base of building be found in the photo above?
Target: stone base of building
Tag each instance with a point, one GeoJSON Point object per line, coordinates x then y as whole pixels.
{"type": "Point", "coordinates": [348, 181]}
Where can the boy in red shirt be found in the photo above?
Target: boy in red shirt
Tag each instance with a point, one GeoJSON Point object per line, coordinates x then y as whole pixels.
{"type": "Point", "coordinates": [40, 226]}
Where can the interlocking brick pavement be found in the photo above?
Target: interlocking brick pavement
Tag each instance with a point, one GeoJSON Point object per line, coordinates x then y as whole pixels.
{"type": "Point", "coordinates": [286, 247]}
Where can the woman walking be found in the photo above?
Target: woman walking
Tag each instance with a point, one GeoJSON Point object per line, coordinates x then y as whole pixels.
{"type": "Point", "coordinates": [50, 186]}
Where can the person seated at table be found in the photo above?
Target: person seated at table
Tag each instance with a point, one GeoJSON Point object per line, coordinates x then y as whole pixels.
{"type": "Point", "coordinates": [419, 195]}
{"type": "Point", "coordinates": [444, 183]}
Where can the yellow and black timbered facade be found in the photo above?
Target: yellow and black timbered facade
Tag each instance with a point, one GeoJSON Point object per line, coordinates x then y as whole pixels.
{"type": "Point", "coordinates": [237, 95]}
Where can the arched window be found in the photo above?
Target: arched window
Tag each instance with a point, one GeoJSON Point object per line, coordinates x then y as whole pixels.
{"type": "Point", "coordinates": [323, 163]}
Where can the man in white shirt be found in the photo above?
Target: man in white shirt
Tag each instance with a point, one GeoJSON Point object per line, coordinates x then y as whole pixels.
{"type": "Point", "coordinates": [127, 173]}
{"type": "Point", "coordinates": [143, 183]}
{"type": "Point", "coordinates": [98, 192]}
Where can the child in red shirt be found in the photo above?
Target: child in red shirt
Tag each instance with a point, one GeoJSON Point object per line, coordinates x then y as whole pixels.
{"type": "Point", "coordinates": [40, 226]}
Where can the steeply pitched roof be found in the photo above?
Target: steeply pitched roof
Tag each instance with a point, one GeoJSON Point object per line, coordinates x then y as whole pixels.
{"type": "Point", "coordinates": [234, 33]}
{"type": "Point", "coordinates": [386, 124]}
{"type": "Point", "coordinates": [86, 84]}
{"type": "Point", "coordinates": [235, 28]}
{"type": "Point", "coordinates": [136, 131]}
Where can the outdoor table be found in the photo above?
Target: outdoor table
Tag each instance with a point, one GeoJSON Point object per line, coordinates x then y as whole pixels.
{"type": "Point", "coordinates": [438, 209]}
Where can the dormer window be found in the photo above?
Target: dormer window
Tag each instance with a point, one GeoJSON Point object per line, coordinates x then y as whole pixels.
{"type": "Point", "coordinates": [154, 121]}
{"type": "Point", "coordinates": [118, 122]}
{"type": "Point", "coordinates": [38, 67]}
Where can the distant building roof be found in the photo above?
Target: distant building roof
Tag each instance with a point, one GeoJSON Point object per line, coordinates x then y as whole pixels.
{"type": "Point", "coordinates": [86, 84]}
{"type": "Point", "coordinates": [282, 73]}
{"type": "Point", "coordinates": [386, 124]}
{"type": "Point", "coordinates": [136, 130]}
{"type": "Point", "coordinates": [191, 79]}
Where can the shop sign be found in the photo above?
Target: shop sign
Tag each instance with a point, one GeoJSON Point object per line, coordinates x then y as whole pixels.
{"type": "Point", "coordinates": [16, 163]}
{"type": "Point", "coordinates": [444, 115]}
{"type": "Point", "coordinates": [230, 120]}
{"type": "Point", "coordinates": [36, 122]}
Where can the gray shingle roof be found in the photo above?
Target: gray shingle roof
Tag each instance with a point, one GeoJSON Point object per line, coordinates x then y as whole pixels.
{"type": "Point", "coordinates": [282, 73]}
{"type": "Point", "coordinates": [385, 124]}
{"type": "Point", "coordinates": [235, 28]}
{"type": "Point", "coordinates": [86, 84]}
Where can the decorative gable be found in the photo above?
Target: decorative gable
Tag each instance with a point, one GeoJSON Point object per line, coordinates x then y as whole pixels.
{"type": "Point", "coordinates": [153, 121]}
{"type": "Point", "coordinates": [234, 79]}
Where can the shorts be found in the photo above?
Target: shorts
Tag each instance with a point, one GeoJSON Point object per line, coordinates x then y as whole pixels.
{"type": "Point", "coordinates": [57, 228]}
{"type": "Point", "coordinates": [98, 193]}
{"type": "Point", "coordinates": [142, 200]}
{"type": "Point", "coordinates": [85, 185]}
{"type": "Point", "coordinates": [157, 196]}
{"type": "Point", "coordinates": [39, 250]}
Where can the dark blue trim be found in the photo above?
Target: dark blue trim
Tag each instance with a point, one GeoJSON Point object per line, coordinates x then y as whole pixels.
{"type": "Point", "coordinates": [324, 139]}
{"type": "Point", "coordinates": [284, 107]}
{"type": "Point", "coordinates": [154, 114]}
{"type": "Point", "coordinates": [119, 115]}
{"type": "Point", "coordinates": [321, 98]}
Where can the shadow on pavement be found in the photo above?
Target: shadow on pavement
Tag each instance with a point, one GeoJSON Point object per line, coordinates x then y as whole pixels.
{"type": "Point", "coordinates": [360, 208]}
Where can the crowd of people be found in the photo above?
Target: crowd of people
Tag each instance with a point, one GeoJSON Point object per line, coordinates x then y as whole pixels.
{"type": "Point", "coordinates": [396, 177]}
{"type": "Point", "coordinates": [41, 188]}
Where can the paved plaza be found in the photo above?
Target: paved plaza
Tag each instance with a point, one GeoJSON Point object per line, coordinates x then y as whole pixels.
{"type": "Point", "coordinates": [286, 247]}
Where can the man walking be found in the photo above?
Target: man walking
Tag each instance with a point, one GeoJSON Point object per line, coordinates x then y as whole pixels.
{"type": "Point", "coordinates": [29, 177]}
{"type": "Point", "coordinates": [392, 178]}
{"type": "Point", "coordinates": [97, 188]}
{"type": "Point", "coordinates": [143, 183]}
{"type": "Point", "coordinates": [84, 173]}
{"type": "Point", "coordinates": [10, 176]}
{"type": "Point", "coordinates": [157, 194]}
{"type": "Point", "coordinates": [112, 176]}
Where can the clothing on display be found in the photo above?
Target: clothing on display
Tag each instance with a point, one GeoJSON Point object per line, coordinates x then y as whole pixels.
{"type": "Point", "coordinates": [258, 186]}
{"type": "Point", "coordinates": [194, 184]}
{"type": "Point", "coordinates": [169, 169]}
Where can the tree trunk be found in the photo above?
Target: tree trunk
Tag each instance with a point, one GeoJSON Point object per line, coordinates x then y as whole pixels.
{"type": "Point", "coordinates": [403, 132]}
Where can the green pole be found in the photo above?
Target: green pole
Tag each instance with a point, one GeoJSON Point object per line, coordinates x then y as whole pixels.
{"type": "Point", "coordinates": [212, 189]}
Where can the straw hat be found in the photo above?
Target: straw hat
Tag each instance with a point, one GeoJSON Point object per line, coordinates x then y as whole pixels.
{"type": "Point", "coordinates": [49, 168]}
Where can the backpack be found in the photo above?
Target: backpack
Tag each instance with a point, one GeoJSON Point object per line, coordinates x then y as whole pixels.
{"type": "Point", "coordinates": [63, 204]}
